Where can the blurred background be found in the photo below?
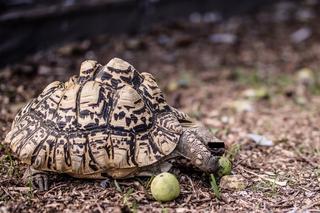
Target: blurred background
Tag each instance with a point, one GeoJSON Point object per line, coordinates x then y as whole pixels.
{"type": "Point", "coordinates": [31, 25]}
{"type": "Point", "coordinates": [187, 43]}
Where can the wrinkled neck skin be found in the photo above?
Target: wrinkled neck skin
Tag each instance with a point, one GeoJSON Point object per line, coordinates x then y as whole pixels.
{"type": "Point", "coordinates": [194, 145]}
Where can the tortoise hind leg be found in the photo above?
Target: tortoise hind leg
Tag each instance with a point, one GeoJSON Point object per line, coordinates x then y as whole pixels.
{"type": "Point", "coordinates": [39, 179]}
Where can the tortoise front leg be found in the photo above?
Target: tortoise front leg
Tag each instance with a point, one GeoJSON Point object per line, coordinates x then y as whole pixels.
{"type": "Point", "coordinates": [39, 179]}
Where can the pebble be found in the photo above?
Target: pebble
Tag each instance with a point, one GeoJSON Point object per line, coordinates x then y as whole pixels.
{"type": "Point", "coordinates": [233, 182]}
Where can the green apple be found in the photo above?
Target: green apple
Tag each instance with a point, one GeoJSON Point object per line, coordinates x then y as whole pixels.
{"type": "Point", "coordinates": [165, 187]}
{"type": "Point", "coordinates": [225, 166]}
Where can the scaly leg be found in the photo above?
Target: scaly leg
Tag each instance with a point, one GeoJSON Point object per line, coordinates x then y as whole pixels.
{"type": "Point", "coordinates": [39, 178]}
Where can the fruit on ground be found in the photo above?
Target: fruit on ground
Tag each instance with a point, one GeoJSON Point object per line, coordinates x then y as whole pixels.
{"type": "Point", "coordinates": [165, 187]}
{"type": "Point", "coordinates": [225, 166]}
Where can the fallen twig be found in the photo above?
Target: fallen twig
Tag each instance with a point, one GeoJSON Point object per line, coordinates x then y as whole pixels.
{"type": "Point", "coordinates": [192, 186]}
{"type": "Point", "coordinates": [20, 189]}
{"type": "Point", "coordinates": [7, 193]}
{"type": "Point", "coordinates": [280, 183]}
{"type": "Point", "coordinates": [56, 187]}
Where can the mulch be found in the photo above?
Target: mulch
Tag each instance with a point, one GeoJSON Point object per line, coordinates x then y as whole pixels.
{"type": "Point", "coordinates": [206, 78]}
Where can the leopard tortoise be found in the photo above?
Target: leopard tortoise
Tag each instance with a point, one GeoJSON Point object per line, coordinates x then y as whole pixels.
{"type": "Point", "coordinates": [110, 121]}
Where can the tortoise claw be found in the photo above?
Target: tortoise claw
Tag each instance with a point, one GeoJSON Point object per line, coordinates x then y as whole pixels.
{"type": "Point", "coordinates": [40, 180]}
{"type": "Point", "coordinates": [105, 183]}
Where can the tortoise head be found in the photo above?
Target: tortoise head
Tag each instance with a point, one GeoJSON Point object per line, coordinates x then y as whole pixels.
{"type": "Point", "coordinates": [201, 147]}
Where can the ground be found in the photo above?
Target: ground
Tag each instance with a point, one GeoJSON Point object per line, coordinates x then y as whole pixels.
{"type": "Point", "coordinates": [253, 74]}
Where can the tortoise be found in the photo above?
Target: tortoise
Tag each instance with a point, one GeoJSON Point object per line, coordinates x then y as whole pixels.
{"type": "Point", "coordinates": [109, 122]}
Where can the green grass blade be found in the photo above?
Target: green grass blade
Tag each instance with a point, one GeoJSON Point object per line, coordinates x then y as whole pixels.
{"type": "Point", "coordinates": [215, 187]}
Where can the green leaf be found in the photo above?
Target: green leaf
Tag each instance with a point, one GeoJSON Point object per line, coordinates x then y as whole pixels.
{"type": "Point", "coordinates": [117, 186]}
{"type": "Point", "coordinates": [149, 181]}
{"type": "Point", "coordinates": [215, 187]}
{"type": "Point", "coordinates": [127, 196]}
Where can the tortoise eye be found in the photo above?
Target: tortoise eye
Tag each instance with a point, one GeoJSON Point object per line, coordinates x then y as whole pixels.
{"type": "Point", "coordinates": [216, 148]}
{"type": "Point", "coordinates": [213, 145]}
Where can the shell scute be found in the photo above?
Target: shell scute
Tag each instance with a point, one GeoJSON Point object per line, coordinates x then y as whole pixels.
{"type": "Point", "coordinates": [94, 105]}
{"type": "Point", "coordinates": [130, 112]}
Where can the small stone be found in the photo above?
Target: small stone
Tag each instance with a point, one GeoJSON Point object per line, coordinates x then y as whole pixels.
{"type": "Point", "coordinates": [242, 106]}
{"type": "Point", "coordinates": [260, 140]}
{"type": "Point", "coordinates": [224, 119]}
{"type": "Point", "coordinates": [4, 209]}
{"type": "Point", "coordinates": [224, 38]}
{"type": "Point", "coordinates": [73, 48]}
{"type": "Point", "coordinates": [306, 175]}
{"type": "Point", "coordinates": [165, 40]}
{"type": "Point", "coordinates": [256, 94]}
{"type": "Point", "coordinates": [172, 86]}
{"type": "Point", "coordinates": [211, 17]}
{"type": "Point", "coordinates": [135, 44]}
{"type": "Point", "coordinates": [304, 14]}
{"type": "Point", "coordinates": [44, 70]}
{"type": "Point", "coordinates": [195, 18]}
{"type": "Point", "coordinates": [305, 76]}
{"type": "Point", "coordinates": [233, 182]}
{"type": "Point", "coordinates": [23, 69]}
{"type": "Point", "coordinates": [301, 35]}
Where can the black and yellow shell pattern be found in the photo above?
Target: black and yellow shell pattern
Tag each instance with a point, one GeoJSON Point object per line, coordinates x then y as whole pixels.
{"type": "Point", "coordinates": [109, 117]}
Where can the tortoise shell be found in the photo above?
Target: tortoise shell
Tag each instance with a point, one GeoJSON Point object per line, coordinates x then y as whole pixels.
{"type": "Point", "coordinates": [108, 118]}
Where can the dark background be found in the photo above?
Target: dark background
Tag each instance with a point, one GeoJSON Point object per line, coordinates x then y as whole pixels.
{"type": "Point", "coordinates": [27, 26]}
